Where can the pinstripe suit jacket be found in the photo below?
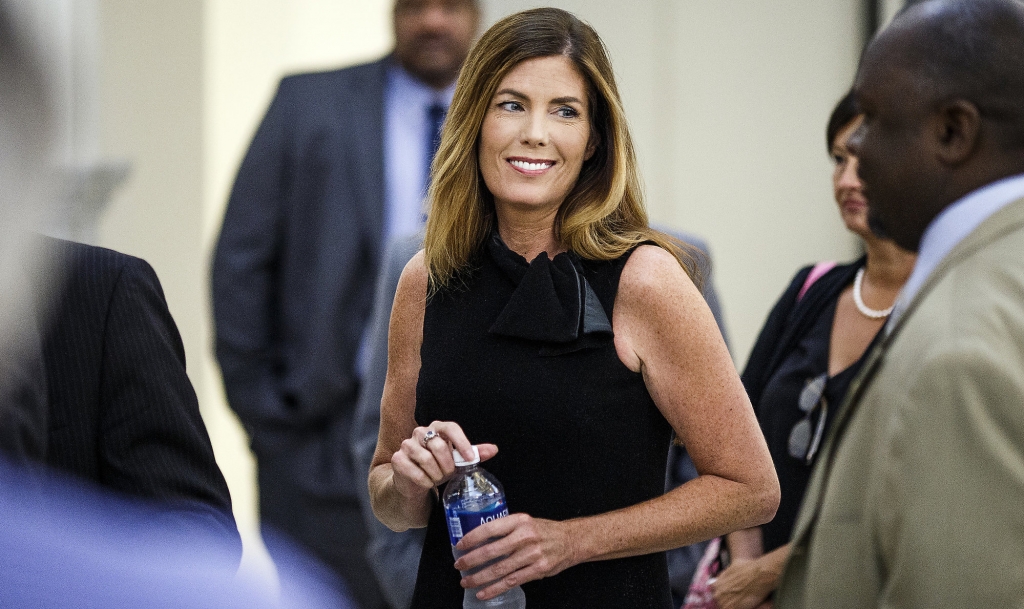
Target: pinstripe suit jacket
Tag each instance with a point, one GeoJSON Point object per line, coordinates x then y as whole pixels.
{"type": "Point", "coordinates": [122, 412]}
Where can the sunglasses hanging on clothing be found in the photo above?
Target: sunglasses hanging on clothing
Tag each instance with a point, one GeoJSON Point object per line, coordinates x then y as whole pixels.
{"type": "Point", "coordinates": [805, 438]}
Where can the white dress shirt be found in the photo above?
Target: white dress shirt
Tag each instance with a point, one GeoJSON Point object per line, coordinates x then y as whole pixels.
{"type": "Point", "coordinates": [406, 141]}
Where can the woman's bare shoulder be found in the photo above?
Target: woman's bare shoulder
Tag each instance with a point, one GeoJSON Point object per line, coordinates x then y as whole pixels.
{"type": "Point", "coordinates": [414, 278]}
{"type": "Point", "coordinates": [416, 268]}
{"type": "Point", "coordinates": [411, 294]}
{"type": "Point", "coordinates": [652, 272]}
{"type": "Point", "coordinates": [654, 299]}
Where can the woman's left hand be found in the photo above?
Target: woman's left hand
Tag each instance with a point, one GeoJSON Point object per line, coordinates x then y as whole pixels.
{"type": "Point", "coordinates": [533, 548]}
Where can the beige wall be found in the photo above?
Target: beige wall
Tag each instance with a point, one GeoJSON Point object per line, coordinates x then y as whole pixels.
{"type": "Point", "coordinates": [727, 101]}
{"type": "Point", "coordinates": [751, 171]}
{"type": "Point", "coordinates": [151, 113]}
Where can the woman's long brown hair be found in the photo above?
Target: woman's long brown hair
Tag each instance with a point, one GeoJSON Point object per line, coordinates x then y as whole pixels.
{"type": "Point", "coordinates": [602, 217]}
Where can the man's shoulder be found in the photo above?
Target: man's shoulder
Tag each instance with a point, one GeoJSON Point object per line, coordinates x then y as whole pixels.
{"type": "Point", "coordinates": [982, 275]}
{"type": "Point", "coordinates": [981, 293]}
{"type": "Point", "coordinates": [81, 260]}
{"type": "Point", "coordinates": [86, 276]}
{"type": "Point", "coordinates": [973, 313]}
{"type": "Point", "coordinates": [341, 80]}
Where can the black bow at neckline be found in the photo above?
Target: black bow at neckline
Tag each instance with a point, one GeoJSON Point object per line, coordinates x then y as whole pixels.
{"type": "Point", "coordinates": [552, 301]}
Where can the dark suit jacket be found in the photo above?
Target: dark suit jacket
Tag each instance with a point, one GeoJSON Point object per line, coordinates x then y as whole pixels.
{"type": "Point", "coordinates": [294, 273]}
{"type": "Point", "coordinates": [122, 412]}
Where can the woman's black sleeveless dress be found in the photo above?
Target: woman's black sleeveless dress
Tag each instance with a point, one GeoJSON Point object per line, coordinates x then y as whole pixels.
{"type": "Point", "coordinates": [522, 356]}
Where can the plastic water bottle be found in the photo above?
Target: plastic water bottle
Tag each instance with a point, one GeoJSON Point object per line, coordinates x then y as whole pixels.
{"type": "Point", "coordinates": [473, 496]}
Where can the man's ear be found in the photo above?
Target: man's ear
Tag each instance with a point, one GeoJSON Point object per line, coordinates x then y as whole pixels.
{"type": "Point", "coordinates": [957, 130]}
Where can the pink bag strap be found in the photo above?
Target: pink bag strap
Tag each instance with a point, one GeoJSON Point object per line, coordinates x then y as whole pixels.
{"type": "Point", "coordinates": [816, 273]}
{"type": "Point", "coordinates": [699, 595]}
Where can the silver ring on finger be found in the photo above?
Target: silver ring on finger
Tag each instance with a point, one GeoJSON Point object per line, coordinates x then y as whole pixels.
{"type": "Point", "coordinates": [427, 437]}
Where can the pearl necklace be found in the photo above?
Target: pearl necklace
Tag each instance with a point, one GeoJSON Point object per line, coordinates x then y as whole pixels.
{"type": "Point", "coordinates": [859, 301]}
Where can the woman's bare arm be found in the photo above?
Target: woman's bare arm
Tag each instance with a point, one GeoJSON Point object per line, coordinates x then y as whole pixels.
{"type": "Point", "coordinates": [745, 544]}
{"type": "Point", "coordinates": [664, 329]}
{"type": "Point", "coordinates": [404, 508]}
{"type": "Point", "coordinates": [405, 466]}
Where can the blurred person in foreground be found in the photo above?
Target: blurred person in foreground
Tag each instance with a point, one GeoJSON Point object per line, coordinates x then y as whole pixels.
{"type": "Point", "coordinates": [810, 349]}
{"type": "Point", "coordinates": [916, 498]}
{"type": "Point", "coordinates": [394, 556]}
{"type": "Point", "coordinates": [93, 381]}
{"type": "Point", "coordinates": [69, 545]}
{"type": "Point", "coordinates": [25, 202]}
{"type": "Point", "coordinates": [502, 334]}
{"type": "Point", "coordinates": [337, 168]}
{"type": "Point", "coordinates": [121, 409]}
{"type": "Point", "coordinates": [67, 542]}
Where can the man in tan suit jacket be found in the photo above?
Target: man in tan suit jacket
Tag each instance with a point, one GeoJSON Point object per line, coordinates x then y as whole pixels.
{"type": "Point", "coordinates": [917, 499]}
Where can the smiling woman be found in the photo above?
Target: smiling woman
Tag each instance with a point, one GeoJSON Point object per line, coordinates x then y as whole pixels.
{"type": "Point", "coordinates": [534, 140]}
{"type": "Point", "coordinates": [546, 318]}
{"type": "Point", "coordinates": [602, 215]}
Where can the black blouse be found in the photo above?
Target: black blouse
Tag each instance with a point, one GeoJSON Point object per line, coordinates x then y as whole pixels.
{"type": "Point", "coordinates": [793, 348]}
{"type": "Point", "coordinates": [523, 356]}
{"type": "Point", "coordinates": [778, 414]}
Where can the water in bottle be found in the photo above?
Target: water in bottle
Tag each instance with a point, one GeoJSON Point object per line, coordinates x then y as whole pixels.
{"type": "Point", "coordinates": [473, 496]}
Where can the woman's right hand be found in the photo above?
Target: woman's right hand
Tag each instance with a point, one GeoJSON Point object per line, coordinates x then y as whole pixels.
{"type": "Point", "coordinates": [424, 460]}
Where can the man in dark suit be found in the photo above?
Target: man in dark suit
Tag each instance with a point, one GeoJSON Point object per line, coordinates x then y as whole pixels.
{"type": "Point", "coordinates": [95, 385]}
{"type": "Point", "coordinates": [337, 167]}
{"type": "Point", "coordinates": [121, 410]}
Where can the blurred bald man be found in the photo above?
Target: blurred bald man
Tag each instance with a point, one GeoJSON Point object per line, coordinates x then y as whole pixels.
{"type": "Point", "coordinates": [916, 499]}
{"type": "Point", "coordinates": [338, 167]}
